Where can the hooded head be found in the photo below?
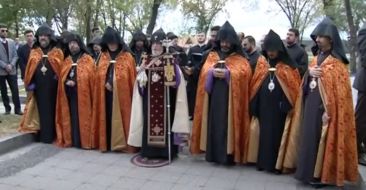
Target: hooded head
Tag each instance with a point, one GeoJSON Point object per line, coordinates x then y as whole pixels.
{"type": "Point", "coordinates": [273, 48]}
{"type": "Point", "coordinates": [327, 28]}
{"type": "Point", "coordinates": [40, 38]}
{"type": "Point", "coordinates": [361, 43]}
{"type": "Point", "coordinates": [112, 37]}
{"type": "Point", "coordinates": [95, 41]}
{"type": "Point", "coordinates": [158, 36]}
{"type": "Point", "coordinates": [139, 37]}
{"type": "Point", "coordinates": [70, 40]}
{"type": "Point", "coordinates": [227, 40]}
{"type": "Point", "coordinates": [156, 42]}
{"type": "Point", "coordinates": [174, 38]}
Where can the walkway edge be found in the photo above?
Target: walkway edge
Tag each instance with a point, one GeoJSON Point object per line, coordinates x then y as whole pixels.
{"type": "Point", "coordinates": [16, 141]}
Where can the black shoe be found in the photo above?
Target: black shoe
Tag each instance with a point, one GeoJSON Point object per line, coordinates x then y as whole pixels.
{"type": "Point", "coordinates": [7, 113]}
{"type": "Point", "coordinates": [317, 184]}
{"type": "Point", "coordinates": [362, 159]}
{"type": "Point", "coordinates": [19, 113]}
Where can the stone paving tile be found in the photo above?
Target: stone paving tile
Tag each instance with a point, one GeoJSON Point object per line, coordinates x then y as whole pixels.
{"type": "Point", "coordinates": [142, 173]}
{"type": "Point", "coordinates": [249, 184]}
{"type": "Point", "coordinates": [90, 186]}
{"type": "Point", "coordinates": [168, 177]}
{"type": "Point", "coordinates": [128, 183]}
{"type": "Point", "coordinates": [185, 187]}
{"type": "Point", "coordinates": [103, 179]}
{"type": "Point", "coordinates": [119, 171]}
{"type": "Point", "coordinates": [221, 183]}
{"type": "Point", "coordinates": [192, 181]}
{"type": "Point", "coordinates": [157, 185]}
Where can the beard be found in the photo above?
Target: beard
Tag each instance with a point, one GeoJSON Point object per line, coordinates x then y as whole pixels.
{"type": "Point", "coordinates": [156, 52]}
{"type": "Point", "coordinates": [74, 51]}
{"type": "Point", "coordinates": [44, 43]}
{"type": "Point", "coordinates": [225, 49]}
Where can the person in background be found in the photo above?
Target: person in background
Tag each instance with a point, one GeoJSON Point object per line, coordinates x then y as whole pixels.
{"type": "Point", "coordinates": [8, 73]}
{"type": "Point", "coordinates": [296, 52]}
{"type": "Point", "coordinates": [24, 51]}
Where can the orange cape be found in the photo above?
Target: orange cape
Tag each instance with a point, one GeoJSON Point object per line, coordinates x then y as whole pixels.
{"type": "Point", "coordinates": [289, 80]}
{"type": "Point", "coordinates": [123, 81]}
{"type": "Point", "coordinates": [240, 75]}
{"type": "Point", "coordinates": [337, 156]}
{"type": "Point", "coordinates": [85, 84]}
{"type": "Point", "coordinates": [30, 119]}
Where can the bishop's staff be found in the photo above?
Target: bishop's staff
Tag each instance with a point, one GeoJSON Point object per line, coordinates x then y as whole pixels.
{"type": "Point", "coordinates": [169, 74]}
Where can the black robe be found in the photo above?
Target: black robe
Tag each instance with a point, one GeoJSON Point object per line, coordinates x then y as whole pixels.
{"type": "Point", "coordinates": [137, 55]}
{"type": "Point", "coordinates": [195, 56]}
{"type": "Point", "coordinates": [360, 110]}
{"type": "Point", "coordinates": [72, 97]}
{"type": "Point", "coordinates": [299, 56]}
{"type": "Point", "coordinates": [216, 150]}
{"type": "Point", "coordinates": [311, 128]}
{"type": "Point", "coordinates": [253, 59]}
{"type": "Point", "coordinates": [109, 100]}
{"type": "Point", "coordinates": [271, 109]}
{"type": "Point", "coordinates": [46, 94]}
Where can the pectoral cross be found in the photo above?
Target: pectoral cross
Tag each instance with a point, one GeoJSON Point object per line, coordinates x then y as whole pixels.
{"type": "Point", "coordinates": [169, 68]}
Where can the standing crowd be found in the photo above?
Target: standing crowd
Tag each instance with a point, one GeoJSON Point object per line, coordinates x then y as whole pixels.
{"type": "Point", "coordinates": [266, 106]}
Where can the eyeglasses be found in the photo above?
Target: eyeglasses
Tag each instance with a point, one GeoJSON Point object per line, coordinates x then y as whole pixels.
{"type": "Point", "coordinates": [4, 30]}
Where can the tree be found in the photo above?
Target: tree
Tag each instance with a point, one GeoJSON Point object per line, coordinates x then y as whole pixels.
{"type": "Point", "coordinates": [300, 13]}
{"type": "Point", "coordinates": [154, 16]}
{"type": "Point", "coordinates": [348, 16]}
{"type": "Point", "coordinates": [202, 12]}
{"type": "Point", "coordinates": [328, 6]}
{"type": "Point", "coordinates": [63, 10]}
{"type": "Point", "coordinates": [353, 33]}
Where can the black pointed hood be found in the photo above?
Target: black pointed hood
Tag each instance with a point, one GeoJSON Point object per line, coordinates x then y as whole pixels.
{"type": "Point", "coordinates": [273, 42]}
{"type": "Point", "coordinates": [171, 36]}
{"type": "Point", "coordinates": [45, 30]}
{"type": "Point", "coordinates": [139, 36]}
{"type": "Point", "coordinates": [158, 36]}
{"type": "Point", "coordinates": [361, 43]}
{"type": "Point", "coordinates": [79, 40]}
{"type": "Point", "coordinates": [96, 40]}
{"type": "Point", "coordinates": [227, 33]}
{"type": "Point", "coordinates": [329, 29]}
{"type": "Point", "coordinates": [112, 36]}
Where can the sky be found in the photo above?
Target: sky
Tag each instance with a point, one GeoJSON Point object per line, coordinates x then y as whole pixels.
{"type": "Point", "coordinates": [256, 20]}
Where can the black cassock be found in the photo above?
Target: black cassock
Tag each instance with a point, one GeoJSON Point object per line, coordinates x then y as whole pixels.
{"type": "Point", "coordinates": [109, 105]}
{"type": "Point", "coordinates": [45, 93]}
{"type": "Point", "coordinates": [271, 109]}
{"type": "Point", "coordinates": [311, 128]}
{"type": "Point", "coordinates": [216, 150]}
{"type": "Point", "coordinates": [195, 56]}
{"type": "Point", "coordinates": [72, 97]}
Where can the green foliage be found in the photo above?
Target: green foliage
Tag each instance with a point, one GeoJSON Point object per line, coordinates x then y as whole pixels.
{"type": "Point", "coordinates": [202, 12]}
{"type": "Point", "coordinates": [338, 13]}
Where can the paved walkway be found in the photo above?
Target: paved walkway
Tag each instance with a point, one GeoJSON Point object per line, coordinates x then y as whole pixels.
{"type": "Point", "coordinates": [40, 166]}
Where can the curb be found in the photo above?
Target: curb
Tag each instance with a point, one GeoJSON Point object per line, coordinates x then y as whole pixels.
{"type": "Point", "coordinates": [16, 141]}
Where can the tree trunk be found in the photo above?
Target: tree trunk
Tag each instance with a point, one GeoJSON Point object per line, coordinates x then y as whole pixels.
{"type": "Point", "coordinates": [16, 24]}
{"type": "Point", "coordinates": [124, 26]}
{"type": "Point", "coordinates": [88, 15]}
{"type": "Point", "coordinates": [154, 16]}
{"type": "Point", "coordinates": [96, 18]}
{"type": "Point", "coordinates": [353, 38]}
